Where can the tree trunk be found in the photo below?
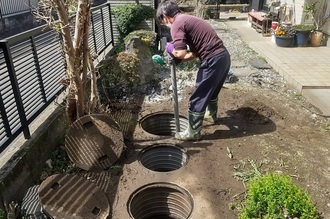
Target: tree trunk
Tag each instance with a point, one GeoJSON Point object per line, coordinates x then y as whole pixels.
{"type": "Point", "coordinates": [77, 54]}
{"type": "Point", "coordinates": [78, 89]}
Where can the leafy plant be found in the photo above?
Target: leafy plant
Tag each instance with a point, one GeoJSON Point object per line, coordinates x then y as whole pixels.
{"type": "Point", "coordinates": [304, 27]}
{"type": "Point", "coordinates": [120, 74]}
{"type": "Point", "coordinates": [275, 196]}
{"type": "Point", "coordinates": [59, 162]}
{"type": "Point", "coordinates": [192, 65]}
{"type": "Point", "coordinates": [129, 16]}
{"type": "Point", "coordinates": [285, 31]}
{"type": "Point", "coordinates": [317, 13]}
{"type": "Point", "coordinates": [2, 214]}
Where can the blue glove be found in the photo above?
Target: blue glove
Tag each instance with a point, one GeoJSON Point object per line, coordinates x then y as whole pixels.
{"type": "Point", "coordinates": [169, 48]}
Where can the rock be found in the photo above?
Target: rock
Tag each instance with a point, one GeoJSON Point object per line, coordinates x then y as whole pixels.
{"type": "Point", "coordinates": [143, 51]}
{"type": "Point", "coordinates": [260, 64]}
{"type": "Point", "coordinates": [242, 72]}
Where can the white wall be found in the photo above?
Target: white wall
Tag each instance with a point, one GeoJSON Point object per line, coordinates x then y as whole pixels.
{"type": "Point", "coordinates": [300, 15]}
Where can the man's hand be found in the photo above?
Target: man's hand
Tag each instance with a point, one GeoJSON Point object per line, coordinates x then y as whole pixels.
{"type": "Point", "coordinates": [169, 48]}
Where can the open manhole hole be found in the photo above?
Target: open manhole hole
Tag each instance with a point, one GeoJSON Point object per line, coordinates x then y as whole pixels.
{"type": "Point", "coordinates": [162, 124]}
{"type": "Point", "coordinates": [163, 157]}
{"type": "Point", "coordinates": [161, 201]}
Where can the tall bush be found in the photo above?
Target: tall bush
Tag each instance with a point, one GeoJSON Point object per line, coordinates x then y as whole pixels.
{"type": "Point", "coordinates": [129, 16]}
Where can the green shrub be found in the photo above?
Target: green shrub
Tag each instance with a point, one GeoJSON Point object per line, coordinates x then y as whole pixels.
{"type": "Point", "coordinates": [2, 214]}
{"type": "Point", "coordinates": [192, 65]}
{"type": "Point", "coordinates": [274, 196]}
{"type": "Point", "coordinates": [120, 74]}
{"type": "Point", "coordinates": [129, 16]}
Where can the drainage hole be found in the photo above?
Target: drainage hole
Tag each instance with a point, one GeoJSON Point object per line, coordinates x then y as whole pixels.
{"type": "Point", "coordinates": [162, 124]}
{"type": "Point", "coordinates": [163, 158]}
{"type": "Point", "coordinates": [161, 201]}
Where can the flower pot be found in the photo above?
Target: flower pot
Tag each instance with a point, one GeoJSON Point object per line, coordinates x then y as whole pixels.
{"type": "Point", "coordinates": [284, 41]}
{"type": "Point", "coordinates": [302, 38]}
{"type": "Point", "coordinates": [316, 38]}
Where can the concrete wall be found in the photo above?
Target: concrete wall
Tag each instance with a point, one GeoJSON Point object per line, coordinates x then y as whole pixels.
{"type": "Point", "coordinates": [23, 169]}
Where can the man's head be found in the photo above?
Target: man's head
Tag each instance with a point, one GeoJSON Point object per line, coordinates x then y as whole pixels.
{"type": "Point", "coordinates": [167, 9]}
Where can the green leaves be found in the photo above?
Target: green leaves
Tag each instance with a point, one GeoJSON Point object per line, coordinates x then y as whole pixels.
{"type": "Point", "coordinates": [275, 196]}
{"type": "Point", "coordinates": [129, 16]}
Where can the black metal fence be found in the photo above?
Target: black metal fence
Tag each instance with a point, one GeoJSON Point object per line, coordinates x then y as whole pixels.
{"type": "Point", "coordinates": [8, 7]}
{"type": "Point", "coordinates": [31, 67]}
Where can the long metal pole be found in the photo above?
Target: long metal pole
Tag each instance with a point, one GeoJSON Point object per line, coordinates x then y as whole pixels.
{"type": "Point", "coordinates": [175, 96]}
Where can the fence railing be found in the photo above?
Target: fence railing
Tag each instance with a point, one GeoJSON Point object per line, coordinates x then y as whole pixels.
{"type": "Point", "coordinates": [8, 7]}
{"type": "Point", "coordinates": [31, 67]}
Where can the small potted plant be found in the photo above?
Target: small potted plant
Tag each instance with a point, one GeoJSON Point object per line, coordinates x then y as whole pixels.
{"type": "Point", "coordinates": [319, 16]}
{"type": "Point", "coordinates": [303, 32]}
{"type": "Point", "coordinates": [284, 35]}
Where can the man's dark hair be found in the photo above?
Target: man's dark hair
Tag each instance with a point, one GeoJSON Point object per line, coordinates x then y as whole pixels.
{"type": "Point", "coordinates": [168, 7]}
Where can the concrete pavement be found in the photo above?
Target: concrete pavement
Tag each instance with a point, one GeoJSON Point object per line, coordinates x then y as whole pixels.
{"type": "Point", "coordinates": [307, 69]}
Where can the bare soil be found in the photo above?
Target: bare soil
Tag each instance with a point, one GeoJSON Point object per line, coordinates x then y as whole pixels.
{"type": "Point", "coordinates": [274, 129]}
{"type": "Point", "coordinates": [264, 126]}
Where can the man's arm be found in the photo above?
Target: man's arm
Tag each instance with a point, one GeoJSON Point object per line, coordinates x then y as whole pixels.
{"type": "Point", "coordinates": [184, 54]}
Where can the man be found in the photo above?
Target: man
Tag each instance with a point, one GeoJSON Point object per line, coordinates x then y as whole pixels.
{"type": "Point", "coordinates": [193, 37]}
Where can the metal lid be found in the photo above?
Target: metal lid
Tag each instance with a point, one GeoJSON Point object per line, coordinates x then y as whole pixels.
{"type": "Point", "coordinates": [71, 196]}
{"type": "Point", "coordinates": [94, 142]}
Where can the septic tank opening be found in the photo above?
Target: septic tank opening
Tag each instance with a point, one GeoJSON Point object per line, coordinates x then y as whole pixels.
{"type": "Point", "coordinates": [162, 124]}
{"type": "Point", "coordinates": [163, 157]}
{"type": "Point", "coordinates": [161, 201]}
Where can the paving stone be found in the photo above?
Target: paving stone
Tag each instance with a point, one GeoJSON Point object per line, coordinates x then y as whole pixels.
{"type": "Point", "coordinates": [260, 64]}
{"type": "Point", "coordinates": [238, 64]}
{"type": "Point", "coordinates": [242, 72]}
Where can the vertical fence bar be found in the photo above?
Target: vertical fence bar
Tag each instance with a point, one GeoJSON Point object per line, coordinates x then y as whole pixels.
{"type": "Point", "coordinates": [94, 38]}
{"type": "Point", "coordinates": [16, 92]}
{"type": "Point", "coordinates": [36, 60]}
{"type": "Point", "coordinates": [6, 46]}
{"type": "Point", "coordinates": [103, 29]}
{"type": "Point", "coordinates": [4, 118]}
{"type": "Point", "coordinates": [111, 29]}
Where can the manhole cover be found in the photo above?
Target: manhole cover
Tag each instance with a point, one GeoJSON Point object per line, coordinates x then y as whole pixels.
{"type": "Point", "coordinates": [161, 201]}
{"type": "Point", "coordinates": [162, 124]}
{"type": "Point", "coordinates": [94, 142]}
{"type": "Point", "coordinates": [71, 196]}
{"type": "Point", "coordinates": [163, 157]}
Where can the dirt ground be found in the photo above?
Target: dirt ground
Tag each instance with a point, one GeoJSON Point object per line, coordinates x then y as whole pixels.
{"type": "Point", "coordinates": [264, 126]}
{"type": "Point", "coordinates": [273, 128]}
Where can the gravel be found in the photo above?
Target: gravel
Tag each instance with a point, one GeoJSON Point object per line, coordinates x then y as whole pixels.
{"type": "Point", "coordinates": [244, 68]}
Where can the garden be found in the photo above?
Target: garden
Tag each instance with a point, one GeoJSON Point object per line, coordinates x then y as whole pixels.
{"type": "Point", "coordinates": [266, 157]}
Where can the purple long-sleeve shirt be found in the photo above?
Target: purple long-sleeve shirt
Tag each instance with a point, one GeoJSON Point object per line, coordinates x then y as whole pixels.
{"type": "Point", "coordinates": [202, 40]}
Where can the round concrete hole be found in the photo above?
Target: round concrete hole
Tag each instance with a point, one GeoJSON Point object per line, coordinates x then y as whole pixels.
{"type": "Point", "coordinates": [161, 201]}
{"type": "Point", "coordinates": [163, 157]}
{"type": "Point", "coordinates": [162, 124]}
